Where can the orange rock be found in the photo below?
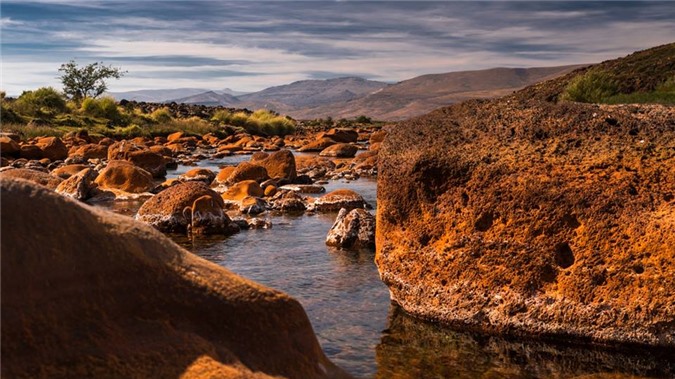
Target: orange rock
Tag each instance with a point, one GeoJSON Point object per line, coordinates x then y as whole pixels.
{"type": "Point", "coordinates": [340, 198]}
{"type": "Point", "coordinates": [65, 172]}
{"type": "Point", "coordinates": [91, 151]}
{"type": "Point", "coordinates": [125, 176]}
{"type": "Point", "coordinates": [318, 145]}
{"type": "Point", "coordinates": [279, 165]}
{"type": "Point", "coordinates": [536, 217]}
{"type": "Point", "coordinates": [202, 174]}
{"type": "Point", "coordinates": [224, 173]}
{"type": "Point", "coordinates": [125, 301]}
{"type": "Point", "coordinates": [78, 186]}
{"type": "Point", "coordinates": [270, 191]}
{"type": "Point", "coordinates": [342, 135]}
{"type": "Point", "coordinates": [166, 211]}
{"type": "Point", "coordinates": [52, 148]}
{"type": "Point", "coordinates": [174, 136]}
{"type": "Point", "coordinates": [34, 176]}
{"type": "Point", "coordinates": [9, 147]}
{"type": "Point", "coordinates": [377, 137]}
{"type": "Point", "coordinates": [242, 189]}
{"type": "Point", "coordinates": [340, 150]}
{"type": "Point", "coordinates": [31, 152]}
{"type": "Point", "coordinates": [247, 171]}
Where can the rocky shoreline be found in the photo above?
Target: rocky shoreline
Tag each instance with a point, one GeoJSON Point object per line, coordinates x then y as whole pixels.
{"type": "Point", "coordinates": [95, 171]}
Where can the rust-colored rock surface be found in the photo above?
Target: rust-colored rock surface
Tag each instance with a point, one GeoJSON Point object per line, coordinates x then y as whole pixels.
{"type": "Point", "coordinates": [247, 171]}
{"type": "Point", "coordinates": [340, 150]}
{"type": "Point", "coordinates": [169, 211]}
{"type": "Point", "coordinates": [340, 198]}
{"type": "Point", "coordinates": [279, 165]}
{"type": "Point", "coordinates": [104, 296]}
{"type": "Point", "coordinates": [52, 148]}
{"type": "Point", "coordinates": [34, 176]}
{"type": "Point", "coordinates": [125, 176]}
{"type": "Point", "coordinates": [524, 215]}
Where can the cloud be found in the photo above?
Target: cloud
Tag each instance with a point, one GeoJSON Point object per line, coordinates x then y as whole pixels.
{"type": "Point", "coordinates": [249, 45]}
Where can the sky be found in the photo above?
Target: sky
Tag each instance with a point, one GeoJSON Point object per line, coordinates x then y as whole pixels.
{"type": "Point", "coordinates": [251, 45]}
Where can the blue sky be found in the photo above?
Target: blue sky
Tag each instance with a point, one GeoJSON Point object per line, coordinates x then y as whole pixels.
{"type": "Point", "coordinates": [250, 45]}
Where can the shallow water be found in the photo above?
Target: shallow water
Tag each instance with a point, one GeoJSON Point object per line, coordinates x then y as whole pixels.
{"type": "Point", "coordinates": [363, 333]}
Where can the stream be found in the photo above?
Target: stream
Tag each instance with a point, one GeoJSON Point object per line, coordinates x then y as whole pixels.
{"type": "Point", "coordinates": [362, 332]}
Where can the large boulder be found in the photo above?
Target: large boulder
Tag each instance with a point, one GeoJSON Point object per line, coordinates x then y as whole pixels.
{"type": "Point", "coordinates": [104, 295]}
{"type": "Point", "coordinates": [34, 176]}
{"type": "Point", "coordinates": [173, 210]}
{"type": "Point", "coordinates": [526, 216]}
{"type": "Point", "coordinates": [352, 230]}
{"type": "Point", "coordinates": [279, 165]}
{"type": "Point", "coordinates": [125, 176]}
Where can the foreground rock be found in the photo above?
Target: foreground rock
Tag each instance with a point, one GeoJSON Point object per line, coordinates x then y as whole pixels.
{"type": "Point", "coordinates": [34, 176]}
{"type": "Point", "coordinates": [525, 216]}
{"type": "Point", "coordinates": [189, 206]}
{"type": "Point", "coordinates": [103, 295]}
{"type": "Point", "coordinates": [126, 177]}
{"type": "Point", "coordinates": [352, 230]}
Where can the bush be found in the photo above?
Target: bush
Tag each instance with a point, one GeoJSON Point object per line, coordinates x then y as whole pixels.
{"type": "Point", "coordinates": [222, 116]}
{"type": "Point", "coordinates": [43, 102]}
{"type": "Point", "coordinates": [592, 87]}
{"type": "Point", "coordinates": [363, 120]}
{"type": "Point", "coordinates": [102, 108]}
{"type": "Point", "coordinates": [161, 115]}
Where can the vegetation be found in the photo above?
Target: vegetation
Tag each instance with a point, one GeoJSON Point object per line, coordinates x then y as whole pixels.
{"type": "Point", "coordinates": [596, 86]}
{"type": "Point", "coordinates": [89, 81]}
{"type": "Point", "coordinates": [44, 102]}
{"type": "Point", "coordinates": [262, 121]}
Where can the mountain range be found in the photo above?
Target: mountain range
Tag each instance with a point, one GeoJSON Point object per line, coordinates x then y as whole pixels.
{"type": "Point", "coordinates": [352, 96]}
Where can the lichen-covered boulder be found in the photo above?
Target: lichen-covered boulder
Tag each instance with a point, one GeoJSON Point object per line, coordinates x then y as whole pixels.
{"type": "Point", "coordinates": [352, 230]}
{"type": "Point", "coordinates": [527, 216]}
{"type": "Point", "coordinates": [125, 176]}
{"type": "Point", "coordinates": [199, 174]}
{"type": "Point", "coordinates": [240, 190]}
{"type": "Point", "coordinates": [342, 135]}
{"type": "Point", "coordinates": [172, 210]}
{"type": "Point", "coordinates": [318, 145]}
{"type": "Point", "coordinates": [104, 295]}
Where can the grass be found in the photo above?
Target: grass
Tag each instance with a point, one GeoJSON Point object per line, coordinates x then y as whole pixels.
{"type": "Point", "coordinates": [597, 86]}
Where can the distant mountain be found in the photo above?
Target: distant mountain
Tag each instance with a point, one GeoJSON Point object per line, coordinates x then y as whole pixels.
{"type": "Point", "coordinates": [425, 93]}
{"type": "Point", "coordinates": [156, 95]}
{"type": "Point", "coordinates": [211, 98]}
{"type": "Point", "coordinates": [351, 97]}
{"type": "Point", "coordinates": [311, 93]}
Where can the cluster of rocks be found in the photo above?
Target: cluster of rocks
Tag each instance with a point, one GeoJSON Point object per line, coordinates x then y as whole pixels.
{"type": "Point", "coordinates": [200, 201]}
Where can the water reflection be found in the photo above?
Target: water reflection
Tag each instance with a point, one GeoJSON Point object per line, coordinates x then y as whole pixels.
{"type": "Point", "coordinates": [411, 348]}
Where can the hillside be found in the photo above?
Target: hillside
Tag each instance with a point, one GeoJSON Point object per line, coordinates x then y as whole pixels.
{"type": "Point", "coordinates": [425, 93]}
{"type": "Point", "coordinates": [532, 215]}
{"type": "Point", "coordinates": [311, 93]}
{"type": "Point", "coordinates": [210, 98]}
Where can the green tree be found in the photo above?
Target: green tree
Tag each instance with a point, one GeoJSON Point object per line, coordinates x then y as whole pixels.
{"type": "Point", "coordinates": [88, 81]}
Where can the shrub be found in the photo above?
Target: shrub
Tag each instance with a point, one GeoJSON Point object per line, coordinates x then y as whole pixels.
{"type": "Point", "coordinates": [222, 115]}
{"type": "Point", "coordinates": [102, 108]}
{"type": "Point", "coordinates": [43, 102]}
{"type": "Point", "coordinates": [363, 120]}
{"type": "Point", "coordinates": [592, 87]}
{"type": "Point", "coordinates": [161, 115]}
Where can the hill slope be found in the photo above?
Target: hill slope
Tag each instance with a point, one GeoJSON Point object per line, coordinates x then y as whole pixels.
{"type": "Point", "coordinates": [425, 93]}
